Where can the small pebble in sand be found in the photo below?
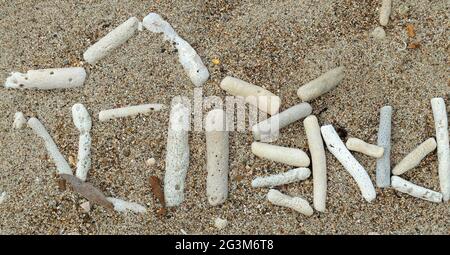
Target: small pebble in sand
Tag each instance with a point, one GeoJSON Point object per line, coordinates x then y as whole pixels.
{"type": "Point", "coordinates": [215, 61]}
{"type": "Point", "coordinates": [414, 157]}
{"type": "Point", "coordinates": [414, 190]}
{"type": "Point", "coordinates": [177, 154]}
{"type": "Point", "coordinates": [140, 27]}
{"type": "Point", "coordinates": [2, 197]}
{"type": "Point", "coordinates": [112, 40]}
{"type": "Point", "coordinates": [293, 175]}
{"type": "Point", "coordinates": [220, 223]}
{"type": "Point", "coordinates": [55, 78]}
{"type": "Point", "coordinates": [19, 120]}
{"type": "Point", "coordinates": [358, 145]}
{"type": "Point", "coordinates": [187, 56]}
{"type": "Point", "coordinates": [383, 170]}
{"type": "Point", "coordinates": [123, 206]}
{"type": "Point", "coordinates": [128, 111]}
{"type": "Point", "coordinates": [72, 161]}
{"type": "Point", "coordinates": [150, 162]}
{"type": "Point", "coordinates": [61, 164]}
{"type": "Point", "coordinates": [296, 203]}
{"type": "Point", "coordinates": [319, 163]}
{"type": "Point", "coordinates": [403, 10]}
{"type": "Point", "coordinates": [321, 85]}
{"type": "Point", "coordinates": [385, 11]}
{"type": "Point", "coordinates": [268, 130]}
{"type": "Point", "coordinates": [289, 156]}
{"type": "Point", "coordinates": [442, 139]}
{"type": "Point", "coordinates": [86, 206]}
{"type": "Point", "coordinates": [257, 96]}
{"type": "Point", "coordinates": [340, 152]}
{"type": "Point", "coordinates": [217, 150]}
{"type": "Point", "coordinates": [378, 33]}
{"type": "Point", "coordinates": [82, 121]}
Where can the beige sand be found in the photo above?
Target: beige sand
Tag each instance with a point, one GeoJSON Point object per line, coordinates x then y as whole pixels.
{"type": "Point", "coordinates": [279, 45]}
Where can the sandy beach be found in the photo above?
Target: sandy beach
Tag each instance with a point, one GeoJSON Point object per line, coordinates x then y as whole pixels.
{"type": "Point", "coordinates": [278, 45]}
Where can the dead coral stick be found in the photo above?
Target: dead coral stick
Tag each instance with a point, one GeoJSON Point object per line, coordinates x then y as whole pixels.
{"type": "Point", "coordinates": [83, 122]}
{"type": "Point", "coordinates": [123, 206]}
{"type": "Point", "coordinates": [128, 111]}
{"type": "Point", "coordinates": [61, 164]}
{"type": "Point", "coordinates": [112, 40]}
{"type": "Point", "coordinates": [319, 163]}
{"type": "Point", "coordinates": [358, 145]}
{"type": "Point", "coordinates": [177, 155]}
{"type": "Point", "coordinates": [385, 12]}
{"type": "Point", "coordinates": [359, 174]}
{"type": "Point", "coordinates": [265, 100]}
{"type": "Point", "coordinates": [414, 190]}
{"type": "Point", "coordinates": [216, 157]}
{"type": "Point", "coordinates": [54, 78]}
{"type": "Point", "coordinates": [187, 56]}
{"type": "Point", "coordinates": [321, 85]}
{"type": "Point", "coordinates": [290, 156]}
{"type": "Point", "coordinates": [383, 172]}
{"type": "Point", "coordinates": [293, 175]}
{"type": "Point", "coordinates": [443, 150]}
{"type": "Point", "coordinates": [414, 157]}
{"type": "Point", "coordinates": [267, 130]}
{"type": "Point", "coordinates": [296, 203]}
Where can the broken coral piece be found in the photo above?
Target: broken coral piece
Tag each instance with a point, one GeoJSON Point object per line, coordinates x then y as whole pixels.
{"type": "Point", "coordinates": [296, 203]}
{"type": "Point", "coordinates": [353, 167]}
{"type": "Point", "coordinates": [383, 169]}
{"type": "Point", "coordinates": [319, 162]}
{"type": "Point", "coordinates": [217, 153]}
{"type": "Point", "coordinates": [55, 78]}
{"type": "Point", "coordinates": [289, 156]}
{"type": "Point", "coordinates": [123, 206]}
{"type": "Point", "coordinates": [83, 122]}
{"type": "Point", "coordinates": [257, 96]}
{"type": "Point", "coordinates": [19, 120]}
{"type": "Point", "coordinates": [442, 139]}
{"type": "Point", "coordinates": [111, 41]}
{"type": "Point", "coordinates": [61, 164]}
{"type": "Point", "coordinates": [128, 111]}
{"type": "Point", "coordinates": [188, 57]}
{"type": "Point", "coordinates": [177, 154]}
{"type": "Point", "coordinates": [414, 157]}
{"type": "Point", "coordinates": [293, 175]}
{"type": "Point", "coordinates": [321, 85]}
{"type": "Point", "coordinates": [414, 190]}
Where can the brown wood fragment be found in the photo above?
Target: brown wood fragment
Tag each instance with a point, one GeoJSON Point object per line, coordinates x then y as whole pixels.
{"type": "Point", "coordinates": [157, 190]}
{"type": "Point", "coordinates": [88, 191]}
{"type": "Point", "coordinates": [158, 193]}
